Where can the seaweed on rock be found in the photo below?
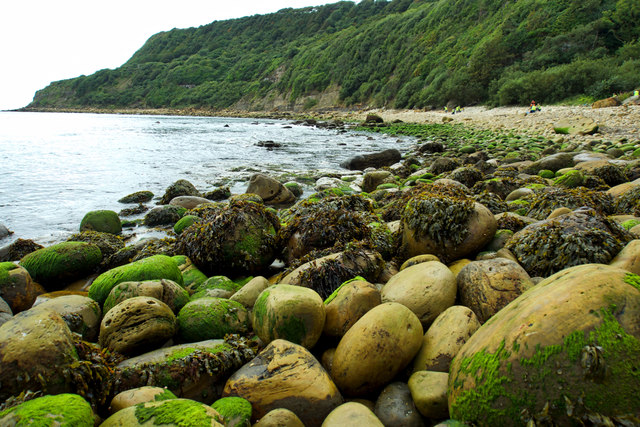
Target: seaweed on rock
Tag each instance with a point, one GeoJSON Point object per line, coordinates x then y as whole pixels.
{"type": "Point", "coordinates": [549, 199]}
{"type": "Point", "coordinates": [492, 201]}
{"type": "Point", "coordinates": [629, 202]}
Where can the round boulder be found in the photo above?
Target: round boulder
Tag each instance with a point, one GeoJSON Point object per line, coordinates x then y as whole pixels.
{"type": "Point", "coordinates": [235, 411]}
{"type": "Point", "coordinates": [164, 215]}
{"type": "Point", "coordinates": [174, 412]}
{"type": "Point", "coordinates": [487, 286]}
{"type": "Point", "coordinates": [348, 304]}
{"type": "Point", "coordinates": [395, 407]}
{"type": "Point", "coordinates": [167, 291]}
{"type": "Point", "coordinates": [136, 324]}
{"type": "Point", "coordinates": [139, 395]}
{"type": "Point", "coordinates": [60, 264]}
{"type": "Point", "coordinates": [270, 190]}
{"type": "Point", "coordinates": [181, 187]}
{"type": "Point", "coordinates": [188, 202]}
{"type": "Point", "coordinates": [376, 348]}
{"type": "Point", "coordinates": [62, 409]}
{"type": "Point", "coordinates": [279, 417]}
{"type": "Point", "coordinates": [428, 289]}
{"type": "Point", "coordinates": [565, 349]}
{"type": "Point", "coordinates": [286, 375]}
{"type": "Point", "coordinates": [429, 392]}
{"type": "Point", "coordinates": [16, 287]}
{"type": "Point", "coordinates": [210, 318]}
{"type": "Point", "coordinates": [137, 197]}
{"type": "Point", "coordinates": [81, 313]}
{"type": "Point", "coordinates": [104, 221]}
{"type": "Point", "coordinates": [293, 313]}
{"type": "Point", "coordinates": [352, 413]}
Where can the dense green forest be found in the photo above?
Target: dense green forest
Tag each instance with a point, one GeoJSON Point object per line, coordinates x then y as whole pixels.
{"type": "Point", "coordinates": [399, 53]}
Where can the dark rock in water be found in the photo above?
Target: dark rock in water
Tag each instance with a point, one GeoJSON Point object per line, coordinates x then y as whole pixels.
{"type": "Point", "coordinates": [133, 211]}
{"type": "Point", "coordinates": [375, 160]}
{"type": "Point", "coordinates": [581, 237]}
{"type": "Point", "coordinates": [181, 187]}
{"type": "Point", "coordinates": [164, 215]}
{"type": "Point", "coordinates": [268, 144]}
{"type": "Point", "coordinates": [137, 197]}
{"type": "Point", "coordinates": [18, 249]}
{"type": "Point", "coordinates": [220, 193]}
{"type": "Point", "coordinates": [4, 231]}
{"type": "Point", "coordinates": [105, 221]}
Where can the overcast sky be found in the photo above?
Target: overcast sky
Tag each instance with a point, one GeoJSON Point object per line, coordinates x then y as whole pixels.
{"type": "Point", "coordinates": [46, 40]}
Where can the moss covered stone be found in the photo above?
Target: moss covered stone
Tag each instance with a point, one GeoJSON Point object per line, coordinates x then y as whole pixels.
{"type": "Point", "coordinates": [185, 222]}
{"type": "Point", "coordinates": [570, 179]}
{"type": "Point", "coordinates": [62, 263]}
{"type": "Point", "coordinates": [103, 220]}
{"type": "Point", "coordinates": [211, 318]}
{"type": "Point", "coordinates": [179, 412]}
{"type": "Point", "coordinates": [64, 410]}
{"type": "Point", "coordinates": [151, 268]}
{"type": "Point", "coordinates": [234, 411]}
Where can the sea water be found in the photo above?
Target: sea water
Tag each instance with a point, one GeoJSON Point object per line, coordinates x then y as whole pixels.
{"type": "Point", "coordinates": [55, 167]}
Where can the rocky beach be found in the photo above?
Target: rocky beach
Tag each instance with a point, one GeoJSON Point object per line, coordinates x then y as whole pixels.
{"type": "Point", "coordinates": [488, 276]}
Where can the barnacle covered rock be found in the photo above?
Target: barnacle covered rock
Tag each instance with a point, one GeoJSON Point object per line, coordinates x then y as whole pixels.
{"type": "Point", "coordinates": [611, 174]}
{"type": "Point", "coordinates": [501, 186]}
{"type": "Point", "coordinates": [549, 199]}
{"type": "Point", "coordinates": [240, 238]}
{"type": "Point", "coordinates": [191, 276]}
{"type": "Point", "coordinates": [581, 237]}
{"type": "Point", "coordinates": [445, 222]}
{"type": "Point", "coordinates": [191, 370]}
{"type": "Point", "coordinates": [491, 201]}
{"type": "Point", "coordinates": [329, 221]}
{"type": "Point", "coordinates": [564, 351]}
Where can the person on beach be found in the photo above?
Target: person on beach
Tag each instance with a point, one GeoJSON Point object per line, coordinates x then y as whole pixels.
{"type": "Point", "coordinates": [446, 109]}
{"type": "Point", "coordinates": [636, 92]}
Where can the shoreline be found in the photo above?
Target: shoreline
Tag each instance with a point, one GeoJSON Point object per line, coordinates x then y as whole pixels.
{"type": "Point", "coordinates": [621, 122]}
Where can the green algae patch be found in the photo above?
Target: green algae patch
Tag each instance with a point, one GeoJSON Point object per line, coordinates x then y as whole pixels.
{"type": "Point", "coordinates": [184, 222]}
{"type": "Point", "coordinates": [64, 410]}
{"type": "Point", "coordinates": [633, 280]}
{"type": "Point", "coordinates": [335, 293]}
{"type": "Point", "coordinates": [105, 221]}
{"type": "Point", "coordinates": [178, 412]}
{"type": "Point", "coordinates": [602, 363]}
{"type": "Point", "coordinates": [234, 411]}
{"type": "Point", "coordinates": [61, 263]}
{"type": "Point", "coordinates": [152, 268]}
{"type": "Point", "coordinates": [165, 395]}
{"type": "Point", "coordinates": [211, 318]}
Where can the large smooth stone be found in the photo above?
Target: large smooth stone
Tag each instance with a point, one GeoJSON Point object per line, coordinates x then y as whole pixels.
{"type": "Point", "coordinates": [376, 348]}
{"type": "Point", "coordinates": [16, 287]}
{"type": "Point", "coordinates": [280, 417]}
{"type": "Point", "coordinates": [353, 414]}
{"type": "Point", "coordinates": [137, 324]}
{"type": "Point", "coordinates": [104, 221]}
{"type": "Point", "coordinates": [210, 318]}
{"type": "Point", "coordinates": [155, 267]}
{"type": "Point", "coordinates": [286, 375]}
{"type": "Point", "coordinates": [188, 202]}
{"type": "Point", "coordinates": [60, 264]}
{"type": "Point", "coordinates": [568, 345]}
{"type": "Point", "coordinates": [167, 291]}
{"type": "Point", "coordinates": [81, 313]}
{"type": "Point", "coordinates": [235, 411]}
{"type": "Point", "coordinates": [395, 407]}
{"type": "Point", "coordinates": [173, 412]}
{"type": "Point", "coordinates": [444, 338]}
{"type": "Point", "coordinates": [348, 304]}
{"type": "Point", "coordinates": [36, 348]}
{"type": "Point", "coordinates": [272, 191]}
{"type": "Point", "coordinates": [628, 258]}
{"type": "Point", "coordinates": [195, 371]}
{"type": "Point", "coordinates": [487, 286]}
{"type": "Point", "coordinates": [248, 294]}
{"type": "Point", "coordinates": [289, 312]}
{"type": "Point", "coordinates": [137, 395]}
{"type": "Point", "coordinates": [429, 392]}
{"type": "Point", "coordinates": [428, 289]}
{"type": "Point", "coordinates": [58, 410]}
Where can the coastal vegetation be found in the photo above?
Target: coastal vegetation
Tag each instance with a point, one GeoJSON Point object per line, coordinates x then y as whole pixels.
{"type": "Point", "coordinates": [399, 53]}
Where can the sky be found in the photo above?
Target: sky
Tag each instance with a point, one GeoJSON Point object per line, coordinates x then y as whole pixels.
{"type": "Point", "coordinates": [46, 40]}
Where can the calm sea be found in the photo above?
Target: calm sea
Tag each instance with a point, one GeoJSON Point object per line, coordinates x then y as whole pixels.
{"type": "Point", "coordinates": [55, 167]}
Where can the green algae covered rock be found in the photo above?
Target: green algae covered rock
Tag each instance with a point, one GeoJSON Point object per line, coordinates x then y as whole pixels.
{"type": "Point", "coordinates": [185, 222]}
{"type": "Point", "coordinates": [167, 291]}
{"type": "Point", "coordinates": [104, 220]}
{"type": "Point", "coordinates": [239, 239]}
{"type": "Point", "coordinates": [235, 411]}
{"type": "Point", "coordinates": [565, 350]}
{"type": "Point", "coordinates": [191, 276]}
{"type": "Point", "coordinates": [211, 318]}
{"type": "Point", "coordinates": [60, 264]}
{"type": "Point", "coordinates": [59, 410]}
{"type": "Point", "coordinates": [570, 179]}
{"type": "Point", "coordinates": [151, 268]}
{"type": "Point", "coordinates": [174, 412]}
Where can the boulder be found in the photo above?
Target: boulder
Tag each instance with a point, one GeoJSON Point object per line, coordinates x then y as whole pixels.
{"type": "Point", "coordinates": [373, 160]}
{"type": "Point", "coordinates": [628, 258]}
{"type": "Point", "coordinates": [429, 392]}
{"type": "Point", "coordinates": [248, 294]}
{"type": "Point", "coordinates": [580, 237]}
{"type": "Point", "coordinates": [137, 197]}
{"type": "Point", "coordinates": [395, 407]}
{"type": "Point", "coordinates": [108, 243]}
{"type": "Point", "coordinates": [190, 370]}
{"type": "Point", "coordinates": [280, 417]}
{"type": "Point", "coordinates": [240, 239]}
{"type": "Point", "coordinates": [104, 221]}
{"type": "Point", "coordinates": [167, 291]}
{"type": "Point", "coordinates": [564, 350]}
{"type": "Point", "coordinates": [286, 375]}
{"type": "Point", "coordinates": [215, 286]}
{"type": "Point", "coordinates": [62, 409]}
{"type": "Point", "coordinates": [181, 187]}
{"type": "Point", "coordinates": [164, 215]}
{"type": "Point", "coordinates": [272, 191]}
{"type": "Point", "coordinates": [39, 345]}
{"type": "Point", "coordinates": [18, 249]}
{"type": "Point", "coordinates": [137, 324]}
{"type": "Point", "coordinates": [347, 304]}
{"type": "Point", "coordinates": [444, 338]}
{"type": "Point", "coordinates": [606, 102]}
{"type": "Point", "coordinates": [372, 180]}
{"type": "Point", "coordinates": [81, 313]}
{"type": "Point", "coordinates": [185, 222]}
{"type": "Point", "coordinates": [188, 202]}
{"type": "Point", "coordinates": [352, 413]}
{"type": "Point", "coordinates": [211, 318]}
{"type": "Point", "coordinates": [219, 193]}
{"type": "Point", "coordinates": [487, 286]}
{"type": "Point", "coordinates": [155, 267]}
{"type": "Point", "coordinates": [191, 276]}
{"type": "Point", "coordinates": [5, 312]}
{"type": "Point", "coordinates": [235, 411]}
{"type": "Point", "coordinates": [174, 412]}
{"type": "Point", "coordinates": [376, 349]}
{"type": "Point", "coordinates": [553, 163]}
{"type": "Point", "coordinates": [4, 231]}
{"type": "Point", "coordinates": [427, 289]}
{"type": "Point", "coordinates": [295, 188]}
{"type": "Point", "coordinates": [137, 395]}
{"type": "Point", "coordinates": [576, 126]}
{"type": "Point", "coordinates": [60, 264]}
{"type": "Point", "coordinates": [293, 313]}
{"type": "Point", "coordinates": [16, 287]}
{"type": "Point", "coordinates": [373, 118]}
